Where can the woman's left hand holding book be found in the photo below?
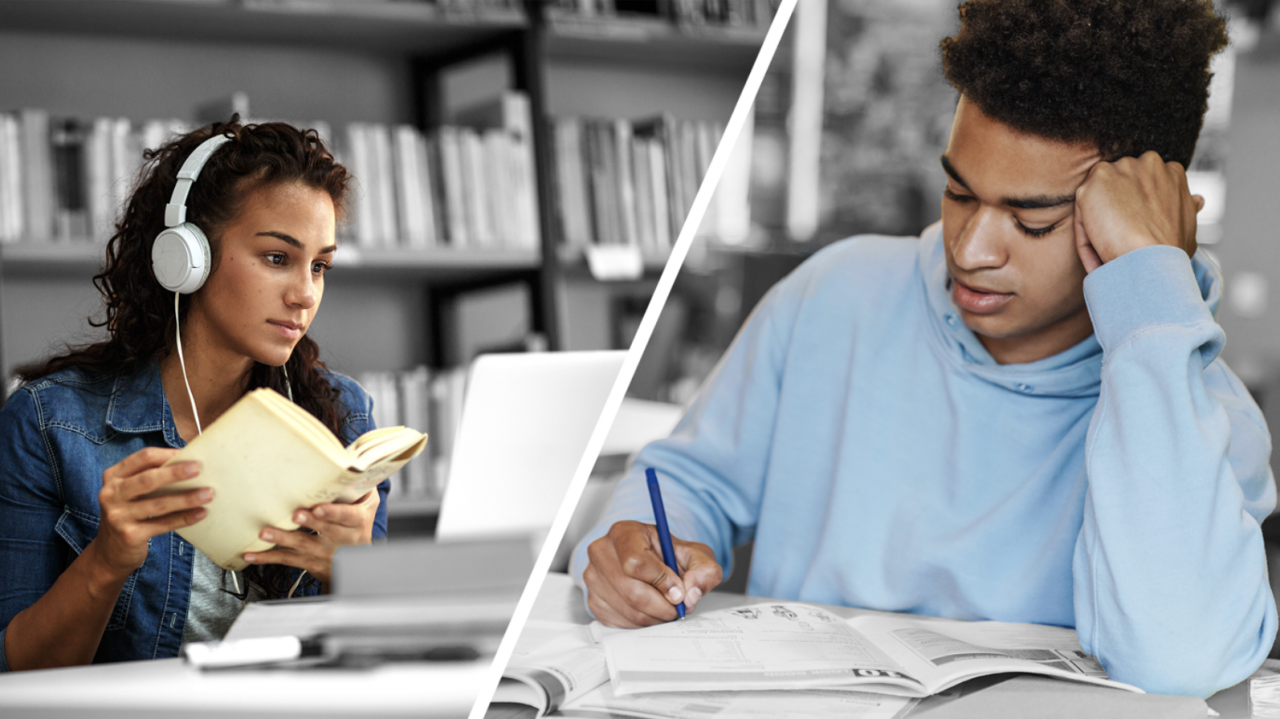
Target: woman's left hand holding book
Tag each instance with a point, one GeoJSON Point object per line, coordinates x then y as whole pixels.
{"type": "Point", "coordinates": [332, 525]}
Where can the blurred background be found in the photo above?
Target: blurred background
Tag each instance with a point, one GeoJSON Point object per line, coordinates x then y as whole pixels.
{"type": "Point", "coordinates": [849, 126]}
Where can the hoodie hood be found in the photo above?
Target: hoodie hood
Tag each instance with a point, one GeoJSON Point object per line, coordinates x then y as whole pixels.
{"type": "Point", "coordinates": [1074, 372]}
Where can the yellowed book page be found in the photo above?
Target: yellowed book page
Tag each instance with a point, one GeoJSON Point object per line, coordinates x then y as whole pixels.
{"type": "Point", "coordinates": [394, 445]}
{"type": "Point", "coordinates": [264, 461]}
{"type": "Point", "coordinates": [303, 421]}
{"type": "Point", "coordinates": [354, 485]}
{"type": "Point", "coordinates": [370, 441]}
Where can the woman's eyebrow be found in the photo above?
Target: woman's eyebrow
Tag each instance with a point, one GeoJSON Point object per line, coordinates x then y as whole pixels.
{"type": "Point", "coordinates": [293, 241]}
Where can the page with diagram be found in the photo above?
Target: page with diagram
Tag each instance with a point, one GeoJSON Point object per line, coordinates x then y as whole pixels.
{"type": "Point", "coordinates": [781, 645]}
{"type": "Point", "coordinates": [942, 652]}
{"type": "Point", "coordinates": [792, 704]}
{"type": "Point", "coordinates": [791, 645]}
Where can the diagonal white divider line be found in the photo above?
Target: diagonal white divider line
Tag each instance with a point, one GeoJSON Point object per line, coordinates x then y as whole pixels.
{"type": "Point", "coordinates": [681, 248]}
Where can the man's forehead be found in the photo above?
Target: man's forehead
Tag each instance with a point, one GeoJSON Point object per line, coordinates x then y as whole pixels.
{"type": "Point", "coordinates": [990, 158]}
{"type": "Point", "coordinates": [1028, 200]}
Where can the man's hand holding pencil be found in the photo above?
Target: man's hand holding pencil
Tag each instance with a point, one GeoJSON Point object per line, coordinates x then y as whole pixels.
{"type": "Point", "coordinates": [628, 583]}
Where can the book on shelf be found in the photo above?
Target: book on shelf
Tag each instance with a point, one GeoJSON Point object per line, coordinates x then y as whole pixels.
{"type": "Point", "coordinates": [447, 389]}
{"type": "Point", "coordinates": [12, 222]}
{"type": "Point", "coordinates": [428, 400]}
{"type": "Point", "coordinates": [403, 398]}
{"type": "Point", "coordinates": [455, 207]}
{"type": "Point", "coordinates": [506, 124]}
{"type": "Point", "coordinates": [628, 182]}
{"type": "Point", "coordinates": [37, 170]}
{"type": "Point", "coordinates": [66, 178]}
{"type": "Point", "coordinates": [728, 13]}
{"type": "Point", "coordinates": [777, 646]}
{"type": "Point", "coordinates": [469, 184]}
{"type": "Point", "coordinates": [466, 8]}
{"type": "Point", "coordinates": [265, 457]}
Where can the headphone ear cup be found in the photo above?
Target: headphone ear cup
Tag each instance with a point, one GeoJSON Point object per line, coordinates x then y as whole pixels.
{"type": "Point", "coordinates": [180, 258]}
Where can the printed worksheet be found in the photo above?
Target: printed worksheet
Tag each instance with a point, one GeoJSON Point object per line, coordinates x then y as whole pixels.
{"type": "Point", "coordinates": [797, 704]}
{"type": "Point", "coordinates": [789, 645]}
{"type": "Point", "coordinates": [757, 647]}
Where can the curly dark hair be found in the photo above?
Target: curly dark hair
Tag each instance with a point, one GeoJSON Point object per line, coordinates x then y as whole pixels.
{"type": "Point", "coordinates": [139, 315]}
{"type": "Point", "coordinates": [1126, 76]}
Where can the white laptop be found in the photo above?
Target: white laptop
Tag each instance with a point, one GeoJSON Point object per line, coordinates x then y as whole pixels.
{"type": "Point", "coordinates": [526, 420]}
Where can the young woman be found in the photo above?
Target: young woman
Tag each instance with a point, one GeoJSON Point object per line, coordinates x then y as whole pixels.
{"type": "Point", "coordinates": [90, 569]}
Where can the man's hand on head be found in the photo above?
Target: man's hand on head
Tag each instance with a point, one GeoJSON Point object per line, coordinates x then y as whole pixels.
{"type": "Point", "coordinates": [628, 585]}
{"type": "Point", "coordinates": [1132, 203]}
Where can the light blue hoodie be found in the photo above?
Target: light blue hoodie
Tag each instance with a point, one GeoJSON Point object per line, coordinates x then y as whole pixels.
{"type": "Point", "coordinates": [880, 458]}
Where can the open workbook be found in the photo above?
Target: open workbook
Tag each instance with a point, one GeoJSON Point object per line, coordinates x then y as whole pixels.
{"type": "Point", "coordinates": [786, 647]}
{"type": "Point", "coordinates": [265, 457]}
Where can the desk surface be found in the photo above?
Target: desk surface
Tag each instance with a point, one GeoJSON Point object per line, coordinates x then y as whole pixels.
{"type": "Point", "coordinates": [168, 688]}
{"type": "Point", "coordinates": [561, 601]}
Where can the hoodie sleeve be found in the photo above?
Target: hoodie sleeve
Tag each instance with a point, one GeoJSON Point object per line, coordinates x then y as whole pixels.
{"type": "Point", "coordinates": [712, 467]}
{"type": "Point", "coordinates": [1171, 590]}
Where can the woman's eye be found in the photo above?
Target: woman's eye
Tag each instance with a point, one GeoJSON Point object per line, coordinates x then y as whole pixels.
{"type": "Point", "coordinates": [321, 267]}
{"type": "Point", "coordinates": [947, 193]}
{"type": "Point", "coordinates": [276, 258]}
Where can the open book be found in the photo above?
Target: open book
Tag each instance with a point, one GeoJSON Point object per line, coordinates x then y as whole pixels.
{"type": "Point", "coordinates": [789, 645]}
{"type": "Point", "coordinates": [266, 457]}
{"type": "Point", "coordinates": [558, 667]}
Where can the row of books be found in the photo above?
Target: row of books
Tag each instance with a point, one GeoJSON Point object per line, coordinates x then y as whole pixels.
{"type": "Point", "coordinates": [731, 13]}
{"type": "Point", "coordinates": [66, 178]}
{"type": "Point", "coordinates": [472, 185]}
{"type": "Point", "coordinates": [623, 182]}
{"type": "Point", "coordinates": [460, 7]}
{"type": "Point", "coordinates": [430, 402]}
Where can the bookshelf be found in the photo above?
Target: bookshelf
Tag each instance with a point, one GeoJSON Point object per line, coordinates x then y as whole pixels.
{"type": "Point", "coordinates": [399, 27]}
{"type": "Point", "coordinates": [346, 62]}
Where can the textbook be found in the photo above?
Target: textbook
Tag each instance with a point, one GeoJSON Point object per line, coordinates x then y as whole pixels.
{"type": "Point", "coordinates": [560, 667]}
{"type": "Point", "coordinates": [265, 458]}
{"type": "Point", "coordinates": [792, 645]}
{"type": "Point", "coordinates": [875, 664]}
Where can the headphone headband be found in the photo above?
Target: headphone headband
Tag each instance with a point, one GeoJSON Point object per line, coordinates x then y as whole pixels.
{"type": "Point", "coordinates": [175, 213]}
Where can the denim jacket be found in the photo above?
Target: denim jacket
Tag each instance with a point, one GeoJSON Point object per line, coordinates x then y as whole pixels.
{"type": "Point", "coordinates": [57, 436]}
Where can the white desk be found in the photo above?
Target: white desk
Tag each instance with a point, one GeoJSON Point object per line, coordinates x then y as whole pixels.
{"type": "Point", "coordinates": [169, 688]}
{"type": "Point", "coordinates": [561, 601]}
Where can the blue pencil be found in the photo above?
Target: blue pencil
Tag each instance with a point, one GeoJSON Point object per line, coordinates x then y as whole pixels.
{"type": "Point", "coordinates": [664, 532]}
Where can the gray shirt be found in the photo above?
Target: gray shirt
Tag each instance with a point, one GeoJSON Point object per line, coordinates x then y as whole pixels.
{"type": "Point", "coordinates": [212, 609]}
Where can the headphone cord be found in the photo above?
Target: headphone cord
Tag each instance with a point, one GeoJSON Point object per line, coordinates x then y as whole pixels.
{"type": "Point", "coordinates": [177, 329]}
{"type": "Point", "coordinates": [288, 387]}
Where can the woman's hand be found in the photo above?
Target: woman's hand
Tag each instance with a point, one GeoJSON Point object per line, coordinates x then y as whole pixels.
{"type": "Point", "coordinates": [335, 525]}
{"type": "Point", "coordinates": [65, 626]}
{"type": "Point", "coordinates": [128, 519]}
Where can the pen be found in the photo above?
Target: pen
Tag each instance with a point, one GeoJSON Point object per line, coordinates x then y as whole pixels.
{"type": "Point", "coordinates": [664, 533]}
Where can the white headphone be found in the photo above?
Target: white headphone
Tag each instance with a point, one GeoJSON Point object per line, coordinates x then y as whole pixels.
{"type": "Point", "coordinates": [180, 254]}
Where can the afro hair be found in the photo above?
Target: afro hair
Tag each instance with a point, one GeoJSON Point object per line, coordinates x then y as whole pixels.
{"type": "Point", "coordinates": [1127, 76]}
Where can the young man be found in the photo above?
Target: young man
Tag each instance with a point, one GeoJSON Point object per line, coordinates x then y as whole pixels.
{"type": "Point", "coordinates": [1020, 416]}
